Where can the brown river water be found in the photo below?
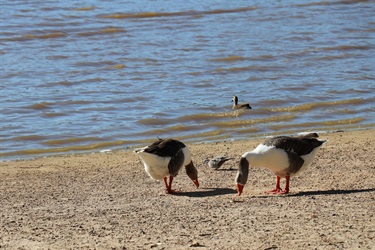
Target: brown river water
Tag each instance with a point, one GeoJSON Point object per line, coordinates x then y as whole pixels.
{"type": "Point", "coordinates": [106, 75]}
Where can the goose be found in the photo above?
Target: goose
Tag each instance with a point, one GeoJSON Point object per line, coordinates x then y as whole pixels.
{"type": "Point", "coordinates": [285, 156]}
{"type": "Point", "coordinates": [165, 158]}
{"type": "Point", "coordinates": [239, 106]}
{"type": "Point", "coordinates": [217, 161]}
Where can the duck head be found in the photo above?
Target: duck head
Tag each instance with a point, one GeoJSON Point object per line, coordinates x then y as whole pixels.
{"type": "Point", "coordinates": [235, 100]}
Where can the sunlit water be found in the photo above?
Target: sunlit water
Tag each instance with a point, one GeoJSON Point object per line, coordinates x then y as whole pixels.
{"type": "Point", "coordinates": [87, 76]}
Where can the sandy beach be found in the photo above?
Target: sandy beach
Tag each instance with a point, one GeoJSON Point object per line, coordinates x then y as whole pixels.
{"type": "Point", "coordinates": [107, 201]}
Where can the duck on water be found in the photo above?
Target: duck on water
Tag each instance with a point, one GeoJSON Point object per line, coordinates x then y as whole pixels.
{"type": "Point", "coordinates": [236, 105]}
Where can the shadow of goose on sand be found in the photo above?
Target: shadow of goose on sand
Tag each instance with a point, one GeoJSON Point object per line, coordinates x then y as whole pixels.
{"type": "Point", "coordinates": [322, 192]}
{"type": "Point", "coordinates": [330, 192]}
{"type": "Point", "coordinates": [226, 169]}
{"type": "Point", "coordinates": [207, 192]}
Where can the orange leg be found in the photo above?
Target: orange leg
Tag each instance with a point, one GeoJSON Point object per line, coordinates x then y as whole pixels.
{"type": "Point", "coordinates": [277, 188]}
{"type": "Point", "coordinates": [169, 189]}
{"type": "Point", "coordinates": [166, 183]}
{"type": "Point", "coordinates": [286, 190]}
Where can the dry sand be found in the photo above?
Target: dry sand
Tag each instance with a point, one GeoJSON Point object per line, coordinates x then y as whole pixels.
{"type": "Point", "coordinates": [107, 201]}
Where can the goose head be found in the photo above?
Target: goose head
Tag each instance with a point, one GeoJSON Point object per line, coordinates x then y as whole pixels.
{"type": "Point", "coordinates": [242, 175]}
{"type": "Point", "coordinates": [192, 172]}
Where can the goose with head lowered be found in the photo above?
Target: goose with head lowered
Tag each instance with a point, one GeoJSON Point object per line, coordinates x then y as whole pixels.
{"type": "Point", "coordinates": [165, 158]}
{"type": "Point", "coordinates": [236, 105]}
{"type": "Point", "coordinates": [285, 156]}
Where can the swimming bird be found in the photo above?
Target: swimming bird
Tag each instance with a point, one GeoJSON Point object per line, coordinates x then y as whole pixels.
{"type": "Point", "coordinates": [285, 156]}
{"type": "Point", "coordinates": [239, 106]}
{"type": "Point", "coordinates": [217, 161]}
{"type": "Point", "coordinates": [165, 158]}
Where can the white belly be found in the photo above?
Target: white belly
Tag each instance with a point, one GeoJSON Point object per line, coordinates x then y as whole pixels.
{"type": "Point", "coordinates": [155, 166]}
{"type": "Point", "coordinates": [276, 159]}
{"type": "Point", "coordinates": [269, 157]}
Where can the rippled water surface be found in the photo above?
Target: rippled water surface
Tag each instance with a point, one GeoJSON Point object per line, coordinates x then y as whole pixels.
{"type": "Point", "coordinates": [80, 76]}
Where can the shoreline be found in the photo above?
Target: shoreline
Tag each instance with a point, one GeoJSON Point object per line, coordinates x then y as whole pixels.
{"type": "Point", "coordinates": [56, 152]}
{"type": "Point", "coordinates": [106, 200]}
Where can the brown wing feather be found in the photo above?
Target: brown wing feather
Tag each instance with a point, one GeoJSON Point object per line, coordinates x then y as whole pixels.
{"type": "Point", "coordinates": [298, 145]}
{"type": "Point", "coordinates": [165, 148]}
{"type": "Point", "coordinates": [175, 163]}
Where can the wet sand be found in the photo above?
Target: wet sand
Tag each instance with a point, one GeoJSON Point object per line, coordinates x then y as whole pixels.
{"type": "Point", "coordinates": [107, 201]}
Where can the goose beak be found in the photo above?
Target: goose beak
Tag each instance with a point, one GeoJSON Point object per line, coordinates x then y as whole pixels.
{"type": "Point", "coordinates": [196, 183]}
{"type": "Point", "coordinates": [239, 189]}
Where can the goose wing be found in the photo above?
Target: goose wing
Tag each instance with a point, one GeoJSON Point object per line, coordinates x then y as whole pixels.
{"type": "Point", "coordinates": [298, 145]}
{"type": "Point", "coordinates": [165, 148]}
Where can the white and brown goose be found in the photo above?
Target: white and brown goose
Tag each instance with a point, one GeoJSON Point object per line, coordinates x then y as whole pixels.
{"type": "Point", "coordinates": [285, 156]}
{"type": "Point", "coordinates": [236, 105]}
{"type": "Point", "coordinates": [165, 158]}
